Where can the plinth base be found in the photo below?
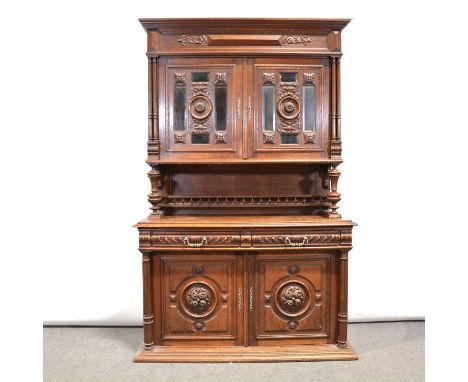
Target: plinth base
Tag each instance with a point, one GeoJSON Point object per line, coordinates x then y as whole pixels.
{"type": "Point", "coordinates": [304, 353]}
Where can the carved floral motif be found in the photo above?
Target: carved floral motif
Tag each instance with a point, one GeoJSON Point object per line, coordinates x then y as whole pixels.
{"type": "Point", "coordinates": [198, 298]}
{"type": "Point", "coordinates": [193, 40]}
{"type": "Point", "coordinates": [295, 40]}
{"type": "Point", "coordinates": [292, 298]}
{"type": "Point", "coordinates": [180, 77]}
{"type": "Point", "coordinates": [309, 78]}
{"type": "Point", "coordinates": [269, 78]}
{"type": "Point", "coordinates": [309, 137]}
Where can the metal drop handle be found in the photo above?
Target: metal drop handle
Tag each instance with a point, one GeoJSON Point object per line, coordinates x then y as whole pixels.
{"type": "Point", "coordinates": [195, 245]}
{"type": "Point", "coordinates": [287, 241]}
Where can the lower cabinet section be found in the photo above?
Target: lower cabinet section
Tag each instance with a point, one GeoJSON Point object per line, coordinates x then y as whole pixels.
{"type": "Point", "coordinates": [226, 298]}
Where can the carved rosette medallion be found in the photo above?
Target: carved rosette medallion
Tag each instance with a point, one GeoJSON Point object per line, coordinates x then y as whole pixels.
{"type": "Point", "coordinates": [295, 40]}
{"type": "Point", "coordinates": [292, 298]}
{"type": "Point", "coordinates": [289, 108]}
{"type": "Point", "coordinates": [200, 107]}
{"type": "Point", "coordinates": [198, 299]}
{"type": "Point", "coordinates": [193, 40]}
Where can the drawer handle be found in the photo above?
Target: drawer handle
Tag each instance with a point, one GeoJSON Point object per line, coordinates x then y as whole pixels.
{"type": "Point", "coordinates": [195, 245]}
{"type": "Point", "coordinates": [287, 241]}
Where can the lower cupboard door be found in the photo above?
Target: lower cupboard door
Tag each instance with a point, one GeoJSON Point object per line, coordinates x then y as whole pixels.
{"type": "Point", "coordinates": [200, 301]}
{"type": "Point", "coordinates": [292, 299]}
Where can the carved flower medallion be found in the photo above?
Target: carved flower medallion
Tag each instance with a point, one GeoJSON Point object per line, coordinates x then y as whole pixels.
{"type": "Point", "coordinates": [198, 299]}
{"type": "Point", "coordinates": [289, 108]}
{"type": "Point", "coordinates": [200, 107]}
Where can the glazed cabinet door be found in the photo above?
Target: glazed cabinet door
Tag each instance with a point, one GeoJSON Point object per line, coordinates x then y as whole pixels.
{"type": "Point", "coordinates": [200, 298]}
{"type": "Point", "coordinates": [288, 108]}
{"type": "Point", "coordinates": [291, 299]}
{"type": "Point", "coordinates": [202, 103]}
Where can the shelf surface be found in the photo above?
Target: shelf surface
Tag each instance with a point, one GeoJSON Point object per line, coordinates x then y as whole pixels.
{"type": "Point", "coordinates": [220, 221]}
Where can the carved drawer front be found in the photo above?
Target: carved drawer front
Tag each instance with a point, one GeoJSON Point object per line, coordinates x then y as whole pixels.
{"type": "Point", "coordinates": [292, 298]}
{"type": "Point", "coordinates": [200, 299]}
{"type": "Point", "coordinates": [198, 240]}
{"type": "Point", "coordinates": [307, 239]}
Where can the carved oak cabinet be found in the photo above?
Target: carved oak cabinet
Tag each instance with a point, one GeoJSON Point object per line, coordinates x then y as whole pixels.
{"type": "Point", "coordinates": [245, 257]}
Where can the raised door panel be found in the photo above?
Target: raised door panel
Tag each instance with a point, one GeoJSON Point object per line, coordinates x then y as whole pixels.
{"type": "Point", "coordinates": [202, 103]}
{"type": "Point", "coordinates": [200, 299]}
{"type": "Point", "coordinates": [292, 299]}
{"type": "Point", "coordinates": [288, 112]}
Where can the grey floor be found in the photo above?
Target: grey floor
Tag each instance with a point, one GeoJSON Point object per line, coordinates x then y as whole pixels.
{"type": "Point", "coordinates": [388, 352]}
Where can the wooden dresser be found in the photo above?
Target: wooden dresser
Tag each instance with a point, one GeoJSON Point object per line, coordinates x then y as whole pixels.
{"type": "Point", "coordinates": [245, 256]}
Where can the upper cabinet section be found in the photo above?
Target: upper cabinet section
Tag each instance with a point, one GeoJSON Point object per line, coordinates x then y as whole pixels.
{"type": "Point", "coordinates": [243, 36]}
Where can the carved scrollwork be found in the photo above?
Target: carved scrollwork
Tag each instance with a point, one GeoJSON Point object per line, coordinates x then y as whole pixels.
{"type": "Point", "coordinates": [201, 88]}
{"type": "Point", "coordinates": [193, 40]}
{"type": "Point", "coordinates": [295, 40]}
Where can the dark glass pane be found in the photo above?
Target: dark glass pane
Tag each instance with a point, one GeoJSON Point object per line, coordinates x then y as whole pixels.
{"type": "Point", "coordinates": [268, 117]}
{"type": "Point", "coordinates": [288, 139]}
{"type": "Point", "coordinates": [200, 139]}
{"type": "Point", "coordinates": [221, 106]}
{"type": "Point", "coordinates": [200, 77]}
{"type": "Point", "coordinates": [308, 103]}
{"type": "Point", "coordinates": [179, 108]}
{"type": "Point", "coordinates": [288, 77]}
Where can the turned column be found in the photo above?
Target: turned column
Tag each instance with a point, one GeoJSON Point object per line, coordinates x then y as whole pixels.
{"type": "Point", "coordinates": [333, 195]}
{"type": "Point", "coordinates": [153, 112]}
{"type": "Point", "coordinates": [155, 197]}
{"type": "Point", "coordinates": [148, 318]}
{"type": "Point", "coordinates": [342, 337]}
{"type": "Point", "coordinates": [335, 142]}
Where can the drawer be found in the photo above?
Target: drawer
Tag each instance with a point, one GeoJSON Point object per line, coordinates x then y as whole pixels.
{"type": "Point", "coordinates": [306, 239]}
{"type": "Point", "coordinates": [197, 240]}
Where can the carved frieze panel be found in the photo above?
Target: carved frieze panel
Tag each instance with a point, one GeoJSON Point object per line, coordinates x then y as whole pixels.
{"type": "Point", "coordinates": [193, 40]}
{"type": "Point", "coordinates": [295, 40]}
